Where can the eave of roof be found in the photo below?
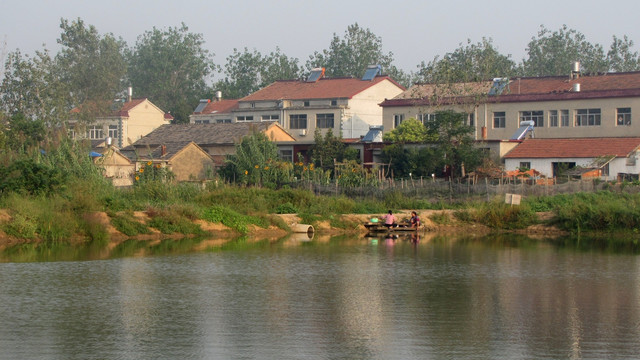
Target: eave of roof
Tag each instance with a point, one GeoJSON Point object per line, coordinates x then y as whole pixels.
{"type": "Point", "coordinates": [574, 148]}
{"type": "Point", "coordinates": [325, 88]}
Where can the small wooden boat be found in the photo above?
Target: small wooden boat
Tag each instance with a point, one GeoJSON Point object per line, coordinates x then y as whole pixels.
{"type": "Point", "coordinates": [381, 228]}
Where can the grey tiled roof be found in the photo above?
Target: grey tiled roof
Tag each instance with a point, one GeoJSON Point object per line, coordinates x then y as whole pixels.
{"type": "Point", "coordinates": [202, 134]}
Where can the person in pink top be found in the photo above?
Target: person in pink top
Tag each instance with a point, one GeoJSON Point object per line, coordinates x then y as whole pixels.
{"type": "Point", "coordinates": [389, 220]}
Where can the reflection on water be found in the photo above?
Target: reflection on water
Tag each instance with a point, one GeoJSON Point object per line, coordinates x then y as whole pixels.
{"type": "Point", "coordinates": [323, 298]}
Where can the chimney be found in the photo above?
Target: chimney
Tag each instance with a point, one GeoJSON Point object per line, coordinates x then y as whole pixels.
{"type": "Point", "coordinates": [129, 93]}
{"type": "Point", "coordinates": [575, 71]}
{"type": "Point", "coordinates": [218, 95]}
{"type": "Point", "coordinates": [576, 87]}
{"type": "Point", "coordinates": [163, 148]}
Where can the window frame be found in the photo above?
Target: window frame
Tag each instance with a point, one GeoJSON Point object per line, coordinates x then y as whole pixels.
{"type": "Point", "coordinates": [397, 120]}
{"type": "Point", "coordinates": [499, 121]}
{"type": "Point", "coordinates": [588, 117]}
{"type": "Point", "coordinates": [623, 118]}
{"type": "Point", "coordinates": [298, 118]}
{"type": "Point", "coordinates": [318, 120]}
{"type": "Point", "coordinates": [245, 118]}
{"type": "Point", "coordinates": [537, 116]}
{"type": "Point", "coordinates": [564, 118]}
{"type": "Point", "coordinates": [553, 118]}
{"type": "Point", "coordinates": [270, 117]}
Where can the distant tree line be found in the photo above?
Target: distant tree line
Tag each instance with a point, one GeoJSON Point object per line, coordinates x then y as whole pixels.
{"type": "Point", "coordinates": [174, 69]}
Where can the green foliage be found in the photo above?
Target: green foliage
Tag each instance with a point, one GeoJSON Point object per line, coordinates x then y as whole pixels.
{"type": "Point", "coordinates": [468, 63]}
{"type": "Point", "coordinates": [409, 131]}
{"type": "Point", "coordinates": [31, 177]}
{"type": "Point", "coordinates": [498, 215]}
{"type": "Point", "coordinates": [601, 211]}
{"type": "Point", "coordinates": [90, 67]}
{"type": "Point", "coordinates": [441, 218]}
{"type": "Point", "coordinates": [171, 67]}
{"type": "Point", "coordinates": [150, 172]}
{"type": "Point", "coordinates": [128, 225]}
{"type": "Point", "coordinates": [351, 54]}
{"type": "Point", "coordinates": [228, 217]}
{"type": "Point", "coordinates": [256, 162]}
{"type": "Point", "coordinates": [20, 227]}
{"type": "Point", "coordinates": [286, 208]}
{"type": "Point", "coordinates": [249, 71]}
{"type": "Point", "coordinates": [327, 149]}
{"type": "Point", "coordinates": [170, 222]}
{"type": "Point", "coordinates": [553, 53]}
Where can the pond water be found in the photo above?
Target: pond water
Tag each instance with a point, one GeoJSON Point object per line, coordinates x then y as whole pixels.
{"type": "Point", "coordinates": [340, 298]}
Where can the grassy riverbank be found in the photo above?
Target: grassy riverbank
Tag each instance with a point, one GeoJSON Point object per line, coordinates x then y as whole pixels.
{"type": "Point", "coordinates": [86, 212]}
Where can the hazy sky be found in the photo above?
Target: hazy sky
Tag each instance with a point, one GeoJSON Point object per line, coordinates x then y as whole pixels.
{"type": "Point", "coordinates": [413, 30]}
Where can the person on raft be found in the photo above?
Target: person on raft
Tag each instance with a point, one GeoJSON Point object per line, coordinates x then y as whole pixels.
{"type": "Point", "coordinates": [415, 220]}
{"type": "Point", "coordinates": [389, 220]}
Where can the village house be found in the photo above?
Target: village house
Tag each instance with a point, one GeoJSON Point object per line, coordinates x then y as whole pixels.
{"type": "Point", "coordinates": [186, 160]}
{"type": "Point", "coordinates": [571, 106]}
{"type": "Point", "coordinates": [116, 166]}
{"type": "Point", "coordinates": [218, 111]}
{"type": "Point", "coordinates": [603, 158]}
{"type": "Point", "coordinates": [216, 140]}
{"type": "Point", "coordinates": [347, 106]}
{"type": "Point", "coordinates": [127, 123]}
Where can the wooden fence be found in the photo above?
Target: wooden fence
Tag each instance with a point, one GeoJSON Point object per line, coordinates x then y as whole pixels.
{"type": "Point", "coordinates": [442, 190]}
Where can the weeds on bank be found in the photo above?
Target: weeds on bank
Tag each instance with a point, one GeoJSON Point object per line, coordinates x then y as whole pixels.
{"type": "Point", "coordinates": [127, 224]}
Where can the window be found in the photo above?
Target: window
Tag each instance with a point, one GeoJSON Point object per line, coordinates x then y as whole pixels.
{"type": "Point", "coordinates": [286, 155]}
{"type": "Point", "coordinates": [253, 104]}
{"type": "Point", "coordinates": [564, 118]}
{"type": "Point", "coordinates": [499, 119]}
{"type": "Point", "coordinates": [306, 103]}
{"type": "Point", "coordinates": [588, 117]}
{"type": "Point", "coordinates": [113, 131]}
{"type": "Point", "coordinates": [324, 121]}
{"type": "Point", "coordinates": [525, 165]}
{"type": "Point", "coordinates": [471, 119]}
{"type": "Point", "coordinates": [95, 132]}
{"type": "Point", "coordinates": [222, 121]}
{"type": "Point", "coordinates": [623, 116]}
{"type": "Point", "coordinates": [334, 102]}
{"type": "Point", "coordinates": [298, 121]}
{"type": "Point", "coordinates": [553, 118]}
{"type": "Point", "coordinates": [535, 116]}
{"type": "Point", "coordinates": [270, 117]}
{"type": "Point", "coordinates": [605, 170]}
{"type": "Point", "coordinates": [202, 121]}
{"type": "Point", "coordinates": [426, 118]}
{"type": "Point", "coordinates": [244, 118]}
{"type": "Point", "coordinates": [397, 120]}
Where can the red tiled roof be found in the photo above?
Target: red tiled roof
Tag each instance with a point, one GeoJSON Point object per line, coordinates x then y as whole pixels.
{"type": "Point", "coordinates": [574, 148]}
{"type": "Point", "coordinates": [538, 89]}
{"type": "Point", "coordinates": [325, 88]}
{"type": "Point", "coordinates": [220, 106]}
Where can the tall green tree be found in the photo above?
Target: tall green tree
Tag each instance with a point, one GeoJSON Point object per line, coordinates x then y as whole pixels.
{"type": "Point", "coordinates": [554, 52]}
{"type": "Point", "coordinates": [409, 131]}
{"type": "Point", "coordinates": [170, 67]}
{"type": "Point", "coordinates": [351, 54]}
{"type": "Point", "coordinates": [31, 87]}
{"type": "Point", "coordinates": [468, 63]}
{"type": "Point", "coordinates": [328, 148]}
{"type": "Point", "coordinates": [248, 71]}
{"type": "Point", "coordinates": [454, 142]}
{"type": "Point", "coordinates": [91, 66]}
{"type": "Point", "coordinates": [620, 57]}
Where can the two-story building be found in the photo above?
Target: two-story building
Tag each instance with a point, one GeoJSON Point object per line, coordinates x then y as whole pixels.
{"type": "Point", "coordinates": [572, 106]}
{"type": "Point", "coordinates": [129, 122]}
{"type": "Point", "coordinates": [346, 105]}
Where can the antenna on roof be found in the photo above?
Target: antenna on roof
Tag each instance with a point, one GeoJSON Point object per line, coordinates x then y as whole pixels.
{"type": "Point", "coordinates": [315, 75]}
